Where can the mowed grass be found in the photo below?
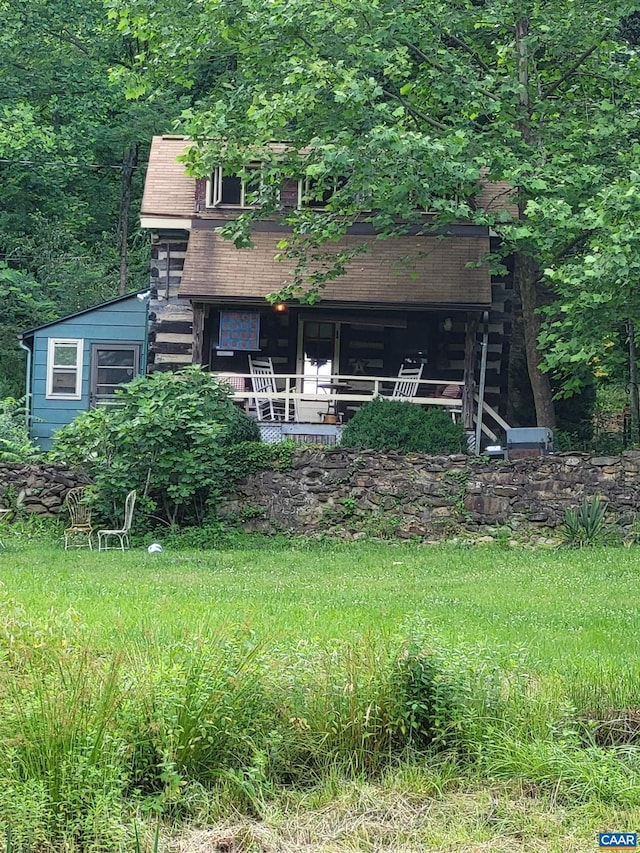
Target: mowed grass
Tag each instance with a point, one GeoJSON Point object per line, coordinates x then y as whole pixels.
{"type": "Point", "coordinates": [267, 694]}
{"type": "Point", "coordinates": [563, 608]}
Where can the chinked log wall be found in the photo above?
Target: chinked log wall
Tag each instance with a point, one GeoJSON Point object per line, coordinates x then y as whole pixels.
{"type": "Point", "coordinates": [358, 493]}
{"type": "Point", "coordinates": [170, 318]}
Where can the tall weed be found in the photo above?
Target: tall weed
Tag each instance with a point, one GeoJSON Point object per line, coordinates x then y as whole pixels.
{"type": "Point", "coordinates": [62, 757]}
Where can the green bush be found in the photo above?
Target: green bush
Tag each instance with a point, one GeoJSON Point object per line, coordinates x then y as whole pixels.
{"type": "Point", "coordinates": [585, 525]}
{"type": "Point", "coordinates": [166, 437]}
{"type": "Point", "coordinates": [396, 425]}
{"type": "Point", "coordinates": [15, 444]}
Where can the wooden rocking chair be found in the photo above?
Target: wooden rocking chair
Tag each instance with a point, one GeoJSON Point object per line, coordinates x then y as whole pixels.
{"type": "Point", "coordinates": [263, 385]}
{"type": "Point", "coordinates": [407, 383]}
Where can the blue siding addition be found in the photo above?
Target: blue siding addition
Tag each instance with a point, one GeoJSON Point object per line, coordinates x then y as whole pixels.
{"type": "Point", "coordinates": [121, 321]}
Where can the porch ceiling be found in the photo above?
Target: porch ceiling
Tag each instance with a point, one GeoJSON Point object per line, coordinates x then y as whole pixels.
{"type": "Point", "coordinates": [399, 271]}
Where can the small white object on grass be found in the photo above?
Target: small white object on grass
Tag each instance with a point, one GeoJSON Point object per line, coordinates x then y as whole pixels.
{"type": "Point", "coordinates": [155, 548]}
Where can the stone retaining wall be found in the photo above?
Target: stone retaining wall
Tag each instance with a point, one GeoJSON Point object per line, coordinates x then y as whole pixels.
{"type": "Point", "coordinates": [359, 493]}
{"type": "Point", "coordinates": [37, 489]}
{"type": "Point", "coordinates": [364, 493]}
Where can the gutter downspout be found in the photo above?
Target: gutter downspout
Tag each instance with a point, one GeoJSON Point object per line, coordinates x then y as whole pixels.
{"type": "Point", "coordinates": [27, 395]}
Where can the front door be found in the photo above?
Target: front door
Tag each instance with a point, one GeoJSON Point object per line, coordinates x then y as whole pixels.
{"type": "Point", "coordinates": [318, 360]}
{"type": "Point", "coordinates": [112, 365]}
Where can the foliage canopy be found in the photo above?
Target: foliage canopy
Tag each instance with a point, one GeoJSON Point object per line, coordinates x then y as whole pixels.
{"type": "Point", "coordinates": [416, 104]}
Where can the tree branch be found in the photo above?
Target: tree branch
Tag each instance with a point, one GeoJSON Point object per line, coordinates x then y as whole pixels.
{"type": "Point", "coordinates": [572, 69]}
{"type": "Point", "coordinates": [468, 49]}
{"type": "Point", "coordinates": [415, 112]}
{"type": "Point", "coordinates": [576, 242]}
{"type": "Point", "coordinates": [439, 67]}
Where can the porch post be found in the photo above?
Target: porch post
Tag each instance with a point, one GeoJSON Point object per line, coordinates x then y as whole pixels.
{"type": "Point", "coordinates": [483, 377]}
{"type": "Point", "coordinates": [469, 370]}
{"type": "Point", "coordinates": [197, 346]}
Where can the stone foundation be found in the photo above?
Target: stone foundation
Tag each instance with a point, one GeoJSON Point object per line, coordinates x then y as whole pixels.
{"type": "Point", "coordinates": [365, 493]}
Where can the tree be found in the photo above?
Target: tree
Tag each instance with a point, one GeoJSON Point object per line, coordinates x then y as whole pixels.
{"type": "Point", "coordinates": [72, 144]}
{"type": "Point", "coordinates": [415, 103]}
{"type": "Point", "coordinates": [23, 306]}
{"type": "Point", "coordinates": [599, 302]}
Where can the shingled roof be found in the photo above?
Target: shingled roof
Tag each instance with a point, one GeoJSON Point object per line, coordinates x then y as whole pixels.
{"type": "Point", "coordinates": [170, 192]}
{"type": "Point", "coordinates": [412, 271]}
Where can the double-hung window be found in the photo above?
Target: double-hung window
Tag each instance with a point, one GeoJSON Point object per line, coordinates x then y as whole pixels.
{"type": "Point", "coordinates": [317, 194]}
{"type": "Point", "coordinates": [232, 190]}
{"type": "Point", "coordinates": [64, 369]}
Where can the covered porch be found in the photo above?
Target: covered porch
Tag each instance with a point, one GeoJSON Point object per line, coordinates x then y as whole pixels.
{"type": "Point", "coordinates": [322, 365]}
{"type": "Point", "coordinates": [300, 405]}
{"type": "Point", "coordinates": [420, 301]}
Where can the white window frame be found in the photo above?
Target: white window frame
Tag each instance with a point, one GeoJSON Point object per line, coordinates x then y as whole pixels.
{"type": "Point", "coordinates": [214, 188]}
{"type": "Point", "coordinates": [77, 370]}
{"type": "Point", "coordinates": [304, 192]}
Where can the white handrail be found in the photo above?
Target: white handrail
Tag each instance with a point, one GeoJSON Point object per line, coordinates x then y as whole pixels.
{"type": "Point", "coordinates": [289, 393]}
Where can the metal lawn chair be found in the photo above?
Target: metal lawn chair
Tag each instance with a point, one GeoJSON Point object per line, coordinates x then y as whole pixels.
{"type": "Point", "coordinates": [263, 385]}
{"type": "Point", "coordinates": [123, 532]}
{"type": "Point", "coordinates": [80, 530]}
{"type": "Point", "coordinates": [407, 384]}
{"type": "Point", "coordinates": [4, 512]}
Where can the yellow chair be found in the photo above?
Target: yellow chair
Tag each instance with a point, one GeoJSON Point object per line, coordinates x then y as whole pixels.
{"type": "Point", "coordinates": [79, 532]}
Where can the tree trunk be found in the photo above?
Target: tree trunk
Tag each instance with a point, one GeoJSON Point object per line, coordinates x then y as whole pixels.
{"type": "Point", "coordinates": [526, 276]}
{"type": "Point", "coordinates": [469, 370]}
{"type": "Point", "coordinates": [128, 167]}
{"type": "Point", "coordinates": [526, 272]}
{"type": "Point", "coordinates": [198, 333]}
{"type": "Point", "coordinates": [633, 384]}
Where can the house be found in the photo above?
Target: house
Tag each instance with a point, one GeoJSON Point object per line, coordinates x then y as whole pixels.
{"type": "Point", "coordinates": [426, 298]}
{"type": "Point", "coordinates": [78, 361]}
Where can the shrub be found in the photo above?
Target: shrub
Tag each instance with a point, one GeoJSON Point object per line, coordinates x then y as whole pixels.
{"type": "Point", "coordinates": [15, 444]}
{"type": "Point", "coordinates": [584, 525]}
{"type": "Point", "coordinates": [166, 437]}
{"type": "Point", "coordinates": [396, 425]}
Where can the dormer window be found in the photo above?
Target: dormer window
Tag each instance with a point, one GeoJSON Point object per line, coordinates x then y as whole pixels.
{"type": "Point", "coordinates": [232, 190]}
{"type": "Point", "coordinates": [317, 194]}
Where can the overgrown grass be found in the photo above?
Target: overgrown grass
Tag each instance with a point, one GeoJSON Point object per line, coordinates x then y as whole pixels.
{"type": "Point", "coordinates": [190, 685]}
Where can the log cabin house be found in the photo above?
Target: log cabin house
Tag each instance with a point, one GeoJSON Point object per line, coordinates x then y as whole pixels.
{"type": "Point", "coordinates": [425, 299]}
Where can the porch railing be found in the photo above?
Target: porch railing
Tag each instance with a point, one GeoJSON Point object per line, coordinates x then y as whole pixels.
{"type": "Point", "coordinates": [359, 389]}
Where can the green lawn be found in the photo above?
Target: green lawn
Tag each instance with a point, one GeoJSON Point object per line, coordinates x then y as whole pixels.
{"type": "Point", "coordinates": [565, 608]}
{"type": "Point", "coordinates": [115, 662]}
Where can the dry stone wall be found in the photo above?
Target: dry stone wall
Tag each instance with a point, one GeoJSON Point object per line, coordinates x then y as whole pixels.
{"type": "Point", "coordinates": [37, 489]}
{"type": "Point", "coordinates": [361, 493]}
{"type": "Point", "coordinates": [365, 493]}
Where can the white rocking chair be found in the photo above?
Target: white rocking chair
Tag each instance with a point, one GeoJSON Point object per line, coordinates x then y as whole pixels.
{"type": "Point", "coordinates": [407, 383]}
{"type": "Point", "coordinates": [264, 387]}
